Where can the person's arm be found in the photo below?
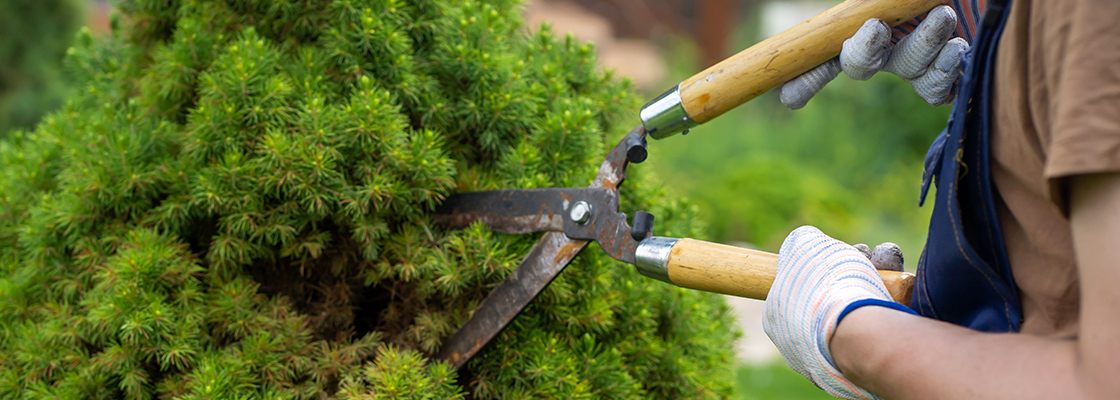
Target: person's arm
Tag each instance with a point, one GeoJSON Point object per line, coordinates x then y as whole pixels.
{"type": "Point", "coordinates": [902, 356]}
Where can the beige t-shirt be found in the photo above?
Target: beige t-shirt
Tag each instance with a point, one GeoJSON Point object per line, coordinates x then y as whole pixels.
{"type": "Point", "coordinates": [1056, 107]}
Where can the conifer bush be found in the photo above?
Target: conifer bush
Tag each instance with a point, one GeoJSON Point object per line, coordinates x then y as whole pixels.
{"type": "Point", "coordinates": [235, 206]}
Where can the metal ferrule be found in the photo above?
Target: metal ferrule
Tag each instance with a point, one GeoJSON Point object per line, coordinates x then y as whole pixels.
{"type": "Point", "coordinates": [665, 115]}
{"type": "Point", "coordinates": [652, 257]}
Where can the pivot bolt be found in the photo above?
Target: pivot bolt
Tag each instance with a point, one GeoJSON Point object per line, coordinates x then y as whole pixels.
{"type": "Point", "coordinates": [581, 212]}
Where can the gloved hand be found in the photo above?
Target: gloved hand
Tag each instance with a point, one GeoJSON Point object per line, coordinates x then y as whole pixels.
{"type": "Point", "coordinates": [819, 280]}
{"type": "Point", "coordinates": [926, 58]}
{"type": "Point", "coordinates": [887, 256]}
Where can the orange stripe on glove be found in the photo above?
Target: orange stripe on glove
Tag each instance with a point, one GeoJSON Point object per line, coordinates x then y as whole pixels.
{"type": "Point", "coordinates": [819, 280]}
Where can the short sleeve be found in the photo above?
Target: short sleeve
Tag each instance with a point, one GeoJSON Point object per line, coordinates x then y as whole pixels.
{"type": "Point", "coordinates": [1085, 102]}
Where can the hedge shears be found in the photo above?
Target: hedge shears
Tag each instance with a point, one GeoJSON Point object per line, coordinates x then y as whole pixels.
{"type": "Point", "coordinates": [572, 217]}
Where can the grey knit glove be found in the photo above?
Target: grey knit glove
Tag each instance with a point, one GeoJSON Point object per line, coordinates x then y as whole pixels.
{"type": "Point", "coordinates": [927, 58]}
{"type": "Point", "coordinates": [886, 256]}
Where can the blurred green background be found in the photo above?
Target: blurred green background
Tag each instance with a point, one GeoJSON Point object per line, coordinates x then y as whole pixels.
{"type": "Point", "coordinates": [34, 36]}
{"type": "Point", "coordinates": [849, 162]}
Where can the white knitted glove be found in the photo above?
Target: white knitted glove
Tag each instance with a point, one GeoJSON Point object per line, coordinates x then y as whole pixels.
{"type": "Point", "coordinates": [819, 280]}
{"type": "Point", "coordinates": [926, 58]}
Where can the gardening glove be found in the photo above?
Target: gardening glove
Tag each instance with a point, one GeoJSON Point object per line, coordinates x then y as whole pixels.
{"type": "Point", "coordinates": [886, 256]}
{"type": "Point", "coordinates": [819, 281]}
{"type": "Point", "coordinates": [927, 58]}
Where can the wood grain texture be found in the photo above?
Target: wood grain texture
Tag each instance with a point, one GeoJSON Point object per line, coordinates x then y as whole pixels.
{"type": "Point", "coordinates": [899, 284]}
{"type": "Point", "coordinates": [784, 56]}
{"type": "Point", "coordinates": [737, 271]}
{"type": "Point", "coordinates": [719, 268]}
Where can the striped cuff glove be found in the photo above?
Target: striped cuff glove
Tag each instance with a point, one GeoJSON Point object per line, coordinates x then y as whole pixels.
{"type": "Point", "coordinates": [927, 58]}
{"type": "Point", "coordinates": [819, 281]}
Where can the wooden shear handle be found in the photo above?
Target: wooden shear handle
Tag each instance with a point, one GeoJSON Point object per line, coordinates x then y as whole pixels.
{"type": "Point", "coordinates": [784, 56]}
{"type": "Point", "coordinates": [737, 271]}
{"type": "Point", "coordinates": [769, 63]}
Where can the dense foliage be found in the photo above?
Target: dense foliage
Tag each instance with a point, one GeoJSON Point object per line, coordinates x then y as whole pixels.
{"type": "Point", "coordinates": [34, 36]}
{"type": "Point", "coordinates": [234, 206]}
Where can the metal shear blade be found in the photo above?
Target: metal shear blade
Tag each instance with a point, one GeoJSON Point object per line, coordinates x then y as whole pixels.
{"type": "Point", "coordinates": [537, 210]}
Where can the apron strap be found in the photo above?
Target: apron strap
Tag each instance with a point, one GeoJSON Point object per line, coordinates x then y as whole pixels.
{"type": "Point", "coordinates": [964, 276]}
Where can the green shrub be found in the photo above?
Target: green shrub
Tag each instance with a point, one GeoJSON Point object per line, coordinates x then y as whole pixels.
{"type": "Point", "coordinates": [235, 206]}
{"type": "Point", "coordinates": [34, 35]}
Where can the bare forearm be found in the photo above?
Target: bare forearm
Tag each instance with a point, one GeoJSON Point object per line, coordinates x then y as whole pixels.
{"type": "Point", "coordinates": [901, 356]}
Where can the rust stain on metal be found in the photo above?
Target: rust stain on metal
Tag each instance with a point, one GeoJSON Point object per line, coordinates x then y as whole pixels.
{"type": "Point", "coordinates": [565, 251]}
{"type": "Point", "coordinates": [534, 210]}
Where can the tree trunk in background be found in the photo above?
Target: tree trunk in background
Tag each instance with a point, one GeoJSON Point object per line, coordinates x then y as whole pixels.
{"type": "Point", "coordinates": [713, 29]}
{"type": "Point", "coordinates": [710, 23]}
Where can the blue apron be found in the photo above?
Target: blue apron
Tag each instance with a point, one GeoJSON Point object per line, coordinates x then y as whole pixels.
{"type": "Point", "coordinates": [963, 275]}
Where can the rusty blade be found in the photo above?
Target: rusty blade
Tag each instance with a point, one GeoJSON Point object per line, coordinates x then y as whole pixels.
{"type": "Point", "coordinates": [543, 263]}
{"type": "Point", "coordinates": [553, 251]}
{"type": "Point", "coordinates": [537, 210]}
{"type": "Point", "coordinates": [507, 211]}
